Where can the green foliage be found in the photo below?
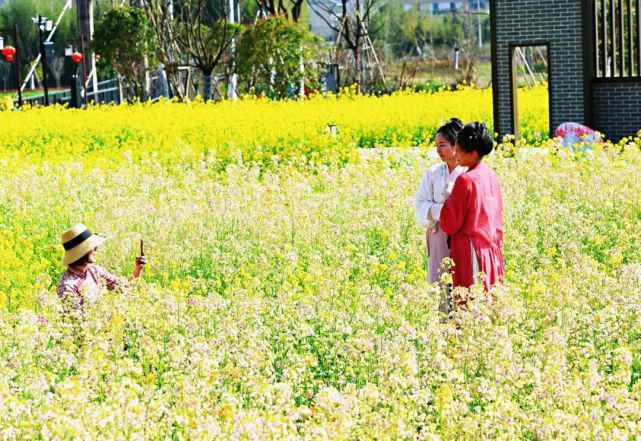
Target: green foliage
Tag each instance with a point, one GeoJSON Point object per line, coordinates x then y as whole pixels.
{"type": "Point", "coordinates": [431, 86]}
{"type": "Point", "coordinates": [248, 11]}
{"type": "Point", "coordinates": [405, 31]}
{"type": "Point", "coordinates": [269, 57]}
{"type": "Point", "coordinates": [123, 40]}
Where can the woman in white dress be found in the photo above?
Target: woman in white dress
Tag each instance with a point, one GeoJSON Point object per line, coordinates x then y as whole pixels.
{"type": "Point", "coordinates": [435, 188]}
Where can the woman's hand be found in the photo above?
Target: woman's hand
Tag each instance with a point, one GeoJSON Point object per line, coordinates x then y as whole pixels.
{"type": "Point", "coordinates": [141, 261]}
{"type": "Point", "coordinates": [448, 190]}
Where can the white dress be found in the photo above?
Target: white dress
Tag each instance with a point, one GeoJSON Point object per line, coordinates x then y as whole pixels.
{"type": "Point", "coordinates": [428, 202]}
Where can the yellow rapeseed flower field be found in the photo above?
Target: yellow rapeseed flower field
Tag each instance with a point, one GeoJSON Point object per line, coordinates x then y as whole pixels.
{"type": "Point", "coordinates": [250, 130]}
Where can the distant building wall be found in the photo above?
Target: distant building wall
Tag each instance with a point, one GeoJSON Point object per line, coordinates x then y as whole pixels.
{"type": "Point", "coordinates": [554, 22]}
{"type": "Point", "coordinates": [617, 108]}
{"type": "Point", "coordinates": [609, 102]}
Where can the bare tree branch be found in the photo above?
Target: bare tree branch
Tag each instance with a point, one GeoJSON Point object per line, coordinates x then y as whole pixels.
{"type": "Point", "coordinates": [324, 13]}
{"type": "Point", "coordinates": [350, 23]}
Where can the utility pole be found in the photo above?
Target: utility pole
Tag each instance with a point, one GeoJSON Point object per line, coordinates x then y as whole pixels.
{"type": "Point", "coordinates": [233, 17]}
{"type": "Point", "coordinates": [147, 88]}
{"type": "Point", "coordinates": [478, 21]}
{"type": "Point", "coordinates": [43, 55]}
{"type": "Point", "coordinates": [15, 33]}
{"type": "Point", "coordinates": [85, 31]}
{"type": "Point", "coordinates": [359, 21]}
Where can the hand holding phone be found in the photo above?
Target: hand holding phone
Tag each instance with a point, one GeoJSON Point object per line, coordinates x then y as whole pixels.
{"type": "Point", "coordinates": [141, 260]}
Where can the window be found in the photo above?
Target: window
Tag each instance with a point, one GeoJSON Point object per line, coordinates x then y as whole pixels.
{"type": "Point", "coordinates": [617, 40]}
{"type": "Point", "coordinates": [529, 68]}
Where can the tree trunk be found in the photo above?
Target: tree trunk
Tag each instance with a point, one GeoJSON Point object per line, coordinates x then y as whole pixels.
{"type": "Point", "coordinates": [296, 10]}
{"type": "Point", "coordinates": [207, 89]}
{"type": "Point", "coordinates": [176, 84]}
{"type": "Point", "coordinates": [232, 87]}
{"type": "Point", "coordinates": [121, 91]}
{"type": "Point", "coordinates": [146, 90]}
{"type": "Point", "coordinates": [359, 68]}
{"type": "Point", "coordinates": [301, 86]}
{"type": "Point", "coordinates": [162, 83]}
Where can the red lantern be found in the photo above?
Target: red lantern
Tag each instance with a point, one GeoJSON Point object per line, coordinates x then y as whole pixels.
{"type": "Point", "coordinates": [8, 52]}
{"type": "Point", "coordinates": [76, 57]}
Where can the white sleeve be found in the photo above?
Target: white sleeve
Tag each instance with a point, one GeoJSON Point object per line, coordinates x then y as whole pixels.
{"type": "Point", "coordinates": [435, 212]}
{"type": "Point", "coordinates": [423, 201]}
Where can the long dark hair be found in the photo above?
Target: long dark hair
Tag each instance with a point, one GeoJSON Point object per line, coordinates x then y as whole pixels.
{"type": "Point", "coordinates": [450, 129]}
{"type": "Point", "coordinates": [475, 136]}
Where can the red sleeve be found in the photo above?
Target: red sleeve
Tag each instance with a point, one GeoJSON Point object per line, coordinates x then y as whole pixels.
{"type": "Point", "coordinates": [455, 208]}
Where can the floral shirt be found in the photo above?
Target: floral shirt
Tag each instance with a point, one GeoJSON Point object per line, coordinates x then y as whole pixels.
{"type": "Point", "coordinates": [78, 287]}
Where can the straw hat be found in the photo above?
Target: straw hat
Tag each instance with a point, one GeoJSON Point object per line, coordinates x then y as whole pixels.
{"type": "Point", "coordinates": [78, 241]}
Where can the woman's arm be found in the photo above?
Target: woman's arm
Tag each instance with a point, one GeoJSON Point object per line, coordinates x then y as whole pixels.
{"type": "Point", "coordinates": [111, 281]}
{"type": "Point", "coordinates": [424, 200]}
{"type": "Point", "coordinates": [455, 208]}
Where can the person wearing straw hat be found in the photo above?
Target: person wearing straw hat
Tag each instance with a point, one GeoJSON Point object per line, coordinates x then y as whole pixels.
{"type": "Point", "coordinates": [82, 281]}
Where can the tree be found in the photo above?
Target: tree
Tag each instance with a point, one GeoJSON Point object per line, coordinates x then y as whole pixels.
{"type": "Point", "coordinates": [277, 7]}
{"type": "Point", "coordinates": [160, 14]}
{"type": "Point", "coordinates": [276, 56]}
{"type": "Point", "coordinates": [123, 39]}
{"type": "Point", "coordinates": [467, 41]}
{"type": "Point", "coordinates": [204, 34]}
{"type": "Point", "coordinates": [350, 20]}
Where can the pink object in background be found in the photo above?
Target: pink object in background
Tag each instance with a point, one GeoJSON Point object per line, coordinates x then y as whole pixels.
{"type": "Point", "coordinates": [575, 133]}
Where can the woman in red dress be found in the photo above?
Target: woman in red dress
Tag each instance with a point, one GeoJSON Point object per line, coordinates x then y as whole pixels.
{"type": "Point", "coordinates": [473, 215]}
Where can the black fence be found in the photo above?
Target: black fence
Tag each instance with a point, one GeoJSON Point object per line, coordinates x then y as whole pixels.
{"type": "Point", "coordinates": [107, 93]}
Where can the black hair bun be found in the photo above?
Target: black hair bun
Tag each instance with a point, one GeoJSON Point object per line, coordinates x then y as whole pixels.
{"type": "Point", "coordinates": [455, 123]}
{"type": "Point", "coordinates": [451, 129]}
{"type": "Point", "coordinates": [485, 141]}
{"type": "Point", "coordinates": [475, 136]}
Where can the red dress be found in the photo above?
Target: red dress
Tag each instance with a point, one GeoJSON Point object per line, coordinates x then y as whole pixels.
{"type": "Point", "coordinates": [473, 217]}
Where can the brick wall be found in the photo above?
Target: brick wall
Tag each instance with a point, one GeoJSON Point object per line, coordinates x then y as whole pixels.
{"type": "Point", "coordinates": [617, 108]}
{"type": "Point", "coordinates": [557, 22]}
